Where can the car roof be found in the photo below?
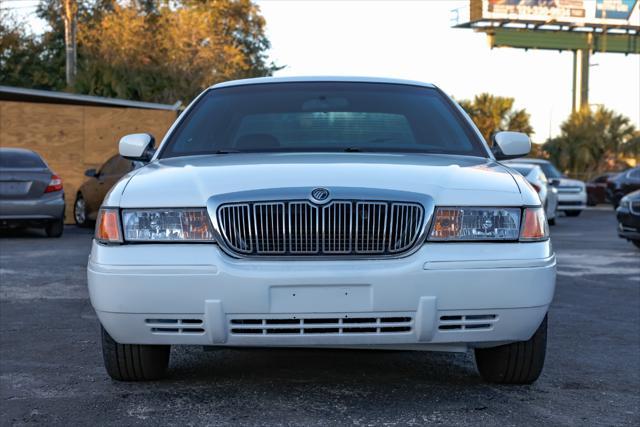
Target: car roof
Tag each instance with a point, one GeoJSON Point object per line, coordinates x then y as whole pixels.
{"type": "Point", "coordinates": [22, 151]}
{"type": "Point", "coordinates": [310, 79]}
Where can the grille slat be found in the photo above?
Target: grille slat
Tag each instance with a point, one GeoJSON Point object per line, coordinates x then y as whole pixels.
{"type": "Point", "coordinates": [341, 227]}
{"type": "Point", "coordinates": [336, 325]}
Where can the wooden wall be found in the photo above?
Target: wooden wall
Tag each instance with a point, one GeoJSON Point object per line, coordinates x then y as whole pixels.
{"type": "Point", "coordinates": [73, 138]}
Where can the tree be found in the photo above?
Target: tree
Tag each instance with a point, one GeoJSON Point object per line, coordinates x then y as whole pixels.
{"type": "Point", "coordinates": [493, 113]}
{"type": "Point", "coordinates": [172, 53]}
{"type": "Point", "coordinates": [592, 141]}
{"type": "Point", "coordinates": [148, 50]}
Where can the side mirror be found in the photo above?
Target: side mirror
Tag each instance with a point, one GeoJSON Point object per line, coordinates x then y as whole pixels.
{"type": "Point", "coordinates": [91, 173]}
{"type": "Point", "coordinates": [510, 145]}
{"type": "Point", "coordinates": [137, 146]}
{"type": "Point", "coordinates": [554, 181]}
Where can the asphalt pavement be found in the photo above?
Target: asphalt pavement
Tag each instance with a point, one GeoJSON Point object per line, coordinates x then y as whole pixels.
{"type": "Point", "coordinates": [51, 369]}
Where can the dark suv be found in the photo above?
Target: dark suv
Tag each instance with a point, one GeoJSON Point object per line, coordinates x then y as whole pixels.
{"type": "Point", "coordinates": [622, 184]}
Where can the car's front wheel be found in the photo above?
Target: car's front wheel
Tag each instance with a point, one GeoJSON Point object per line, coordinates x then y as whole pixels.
{"type": "Point", "coordinates": [637, 243]}
{"type": "Point", "coordinates": [515, 363]}
{"type": "Point", "coordinates": [134, 362]}
{"type": "Point", "coordinates": [80, 211]}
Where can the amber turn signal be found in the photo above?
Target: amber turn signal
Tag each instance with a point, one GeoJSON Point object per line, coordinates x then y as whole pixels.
{"type": "Point", "coordinates": [534, 225]}
{"type": "Point", "coordinates": [108, 226]}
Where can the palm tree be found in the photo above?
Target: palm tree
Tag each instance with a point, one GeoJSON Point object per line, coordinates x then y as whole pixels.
{"type": "Point", "coordinates": [493, 113]}
{"type": "Point", "coordinates": [591, 142]}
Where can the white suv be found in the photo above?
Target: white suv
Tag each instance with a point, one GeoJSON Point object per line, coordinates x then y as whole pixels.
{"type": "Point", "coordinates": [323, 212]}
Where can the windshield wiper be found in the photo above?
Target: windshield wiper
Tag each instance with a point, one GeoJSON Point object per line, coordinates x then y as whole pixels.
{"type": "Point", "coordinates": [226, 152]}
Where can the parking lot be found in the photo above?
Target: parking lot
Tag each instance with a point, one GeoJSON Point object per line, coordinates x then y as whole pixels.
{"type": "Point", "coordinates": [52, 372]}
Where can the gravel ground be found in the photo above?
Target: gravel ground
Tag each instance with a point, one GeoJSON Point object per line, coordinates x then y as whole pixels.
{"type": "Point", "coordinates": [51, 368]}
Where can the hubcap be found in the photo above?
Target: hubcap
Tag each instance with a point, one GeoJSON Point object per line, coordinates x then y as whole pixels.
{"type": "Point", "coordinates": [79, 211]}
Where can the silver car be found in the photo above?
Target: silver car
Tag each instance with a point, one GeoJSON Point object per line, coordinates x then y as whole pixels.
{"type": "Point", "coordinates": [31, 195]}
{"type": "Point", "coordinates": [538, 180]}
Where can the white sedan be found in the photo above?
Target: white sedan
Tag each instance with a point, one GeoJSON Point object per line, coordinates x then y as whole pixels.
{"type": "Point", "coordinates": [323, 212]}
{"type": "Point", "coordinates": [538, 180]}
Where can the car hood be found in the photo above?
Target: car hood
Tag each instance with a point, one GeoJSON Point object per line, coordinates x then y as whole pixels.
{"type": "Point", "coordinates": [191, 181]}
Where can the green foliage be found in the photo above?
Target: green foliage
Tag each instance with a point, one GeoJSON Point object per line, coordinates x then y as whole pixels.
{"type": "Point", "coordinates": [27, 61]}
{"type": "Point", "coordinates": [158, 51]}
{"type": "Point", "coordinates": [591, 142]}
{"type": "Point", "coordinates": [493, 113]}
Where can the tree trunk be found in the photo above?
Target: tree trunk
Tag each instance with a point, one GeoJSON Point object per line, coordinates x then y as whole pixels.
{"type": "Point", "coordinates": [70, 12]}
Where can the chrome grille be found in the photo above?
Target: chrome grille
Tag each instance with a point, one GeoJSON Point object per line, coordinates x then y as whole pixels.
{"type": "Point", "coordinates": [301, 228]}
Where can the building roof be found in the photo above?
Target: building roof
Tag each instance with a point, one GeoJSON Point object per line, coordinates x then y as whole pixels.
{"type": "Point", "coordinates": [354, 79]}
{"type": "Point", "coordinates": [10, 93]}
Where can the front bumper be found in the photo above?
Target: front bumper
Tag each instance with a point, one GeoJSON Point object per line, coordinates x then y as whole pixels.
{"type": "Point", "coordinates": [628, 224]}
{"type": "Point", "coordinates": [572, 201]}
{"type": "Point", "coordinates": [443, 297]}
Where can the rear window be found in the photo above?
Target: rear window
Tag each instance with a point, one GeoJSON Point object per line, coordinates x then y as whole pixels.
{"type": "Point", "coordinates": [323, 116]}
{"type": "Point", "coordinates": [20, 160]}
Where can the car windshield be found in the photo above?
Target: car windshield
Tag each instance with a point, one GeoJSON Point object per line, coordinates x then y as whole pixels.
{"type": "Point", "coordinates": [550, 170]}
{"type": "Point", "coordinates": [10, 159]}
{"type": "Point", "coordinates": [324, 117]}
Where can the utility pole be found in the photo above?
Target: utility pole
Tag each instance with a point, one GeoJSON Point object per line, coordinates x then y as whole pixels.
{"type": "Point", "coordinates": [70, 17]}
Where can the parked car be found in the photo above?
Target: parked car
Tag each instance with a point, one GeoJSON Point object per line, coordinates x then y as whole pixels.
{"type": "Point", "coordinates": [547, 192]}
{"type": "Point", "coordinates": [572, 193]}
{"type": "Point", "coordinates": [628, 214]}
{"type": "Point", "coordinates": [91, 193]}
{"type": "Point", "coordinates": [31, 195]}
{"type": "Point", "coordinates": [597, 189]}
{"type": "Point", "coordinates": [622, 184]}
{"type": "Point", "coordinates": [323, 212]}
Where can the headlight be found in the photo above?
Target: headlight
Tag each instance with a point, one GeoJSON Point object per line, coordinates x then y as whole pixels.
{"type": "Point", "coordinates": [625, 203]}
{"type": "Point", "coordinates": [463, 224]}
{"type": "Point", "coordinates": [487, 224]}
{"type": "Point", "coordinates": [166, 225]}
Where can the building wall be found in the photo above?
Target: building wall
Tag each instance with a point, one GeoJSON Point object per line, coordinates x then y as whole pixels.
{"type": "Point", "coordinates": [73, 138]}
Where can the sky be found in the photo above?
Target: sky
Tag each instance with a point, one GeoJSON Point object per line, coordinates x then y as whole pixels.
{"type": "Point", "coordinates": [414, 40]}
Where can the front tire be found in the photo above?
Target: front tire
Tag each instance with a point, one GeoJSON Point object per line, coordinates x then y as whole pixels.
{"type": "Point", "coordinates": [134, 362]}
{"type": "Point", "coordinates": [80, 211]}
{"type": "Point", "coordinates": [515, 363]}
{"type": "Point", "coordinates": [637, 243]}
{"type": "Point", "coordinates": [552, 221]}
{"type": "Point", "coordinates": [54, 228]}
{"type": "Point", "coordinates": [573, 213]}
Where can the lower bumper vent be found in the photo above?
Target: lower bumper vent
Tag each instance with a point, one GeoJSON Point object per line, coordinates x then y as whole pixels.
{"type": "Point", "coordinates": [467, 322]}
{"type": "Point", "coordinates": [175, 326]}
{"type": "Point", "coordinates": [322, 326]}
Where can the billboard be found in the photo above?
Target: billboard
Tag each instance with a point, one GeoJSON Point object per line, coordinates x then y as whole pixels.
{"type": "Point", "coordinates": [580, 12]}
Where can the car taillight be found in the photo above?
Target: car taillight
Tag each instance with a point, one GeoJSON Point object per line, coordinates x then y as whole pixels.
{"type": "Point", "coordinates": [54, 185]}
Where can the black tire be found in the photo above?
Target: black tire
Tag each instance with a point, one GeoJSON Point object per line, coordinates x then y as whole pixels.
{"type": "Point", "coordinates": [515, 363]}
{"type": "Point", "coordinates": [54, 228]}
{"type": "Point", "coordinates": [552, 221]}
{"type": "Point", "coordinates": [134, 362]}
{"type": "Point", "coordinates": [80, 211]}
{"type": "Point", "coordinates": [573, 213]}
{"type": "Point", "coordinates": [637, 243]}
